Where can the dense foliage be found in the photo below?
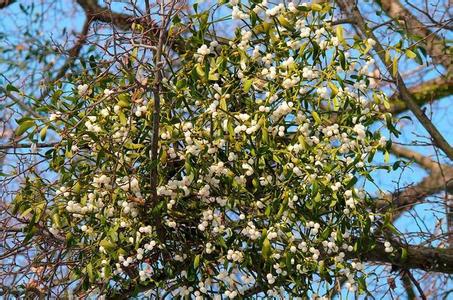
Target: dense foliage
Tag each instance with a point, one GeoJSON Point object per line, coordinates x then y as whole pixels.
{"type": "Point", "coordinates": [263, 139]}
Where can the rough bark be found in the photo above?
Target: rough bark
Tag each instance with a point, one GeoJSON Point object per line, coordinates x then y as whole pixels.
{"type": "Point", "coordinates": [415, 257]}
{"type": "Point", "coordinates": [422, 93]}
{"type": "Point", "coordinates": [99, 13]}
{"type": "Point", "coordinates": [421, 160]}
{"type": "Point", "coordinates": [5, 3]}
{"type": "Point", "coordinates": [402, 200]}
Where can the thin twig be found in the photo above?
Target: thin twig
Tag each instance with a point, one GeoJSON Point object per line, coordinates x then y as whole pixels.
{"type": "Point", "coordinates": [156, 109]}
{"type": "Point", "coordinates": [17, 146]}
{"type": "Point", "coordinates": [437, 137]}
{"type": "Point", "coordinates": [416, 284]}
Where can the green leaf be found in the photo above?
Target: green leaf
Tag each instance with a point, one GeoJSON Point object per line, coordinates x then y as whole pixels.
{"type": "Point", "coordinates": [133, 146]}
{"type": "Point", "coordinates": [268, 210]}
{"type": "Point", "coordinates": [386, 157]}
{"type": "Point", "coordinates": [12, 88]}
{"type": "Point", "coordinates": [213, 76]}
{"type": "Point", "coordinates": [108, 245]}
{"type": "Point", "coordinates": [222, 242]}
{"type": "Point", "coordinates": [403, 254]}
{"type": "Point", "coordinates": [181, 84]}
{"type": "Point", "coordinates": [418, 58]}
{"type": "Point", "coordinates": [410, 54]}
{"type": "Point", "coordinates": [266, 251]}
{"type": "Point", "coordinates": [26, 212]}
{"type": "Point", "coordinates": [196, 261]}
{"type": "Point", "coordinates": [24, 126]}
{"type": "Point", "coordinates": [90, 272]}
{"type": "Point", "coordinates": [124, 100]}
{"type": "Point", "coordinates": [247, 85]}
{"type": "Point", "coordinates": [395, 66]}
{"type": "Point", "coordinates": [316, 7]}
{"type": "Point", "coordinates": [200, 71]}
{"type": "Point", "coordinates": [316, 117]}
{"type": "Point", "coordinates": [351, 182]}
{"type": "Point", "coordinates": [392, 227]}
{"type": "Point", "coordinates": [43, 133]}
{"type": "Point", "coordinates": [339, 31]}
{"type": "Point", "coordinates": [122, 117]}
{"type": "Point", "coordinates": [362, 284]}
{"type": "Point", "coordinates": [342, 59]}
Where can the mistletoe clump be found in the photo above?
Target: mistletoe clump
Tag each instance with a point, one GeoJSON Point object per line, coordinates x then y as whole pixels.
{"type": "Point", "coordinates": [262, 138]}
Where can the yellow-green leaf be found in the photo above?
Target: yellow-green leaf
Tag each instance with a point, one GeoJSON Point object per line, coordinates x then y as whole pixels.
{"type": "Point", "coordinates": [318, 197]}
{"type": "Point", "coordinates": [26, 212]}
{"type": "Point", "coordinates": [133, 146]}
{"type": "Point", "coordinates": [108, 245]}
{"type": "Point", "coordinates": [316, 117]}
{"type": "Point", "coordinates": [387, 57]}
{"type": "Point", "coordinates": [284, 22]}
{"type": "Point", "coordinates": [213, 76]}
{"type": "Point", "coordinates": [24, 126]}
{"type": "Point", "coordinates": [386, 104]}
{"type": "Point", "coordinates": [43, 133]}
{"type": "Point", "coordinates": [339, 30]}
{"type": "Point", "coordinates": [223, 104]}
{"type": "Point", "coordinates": [336, 105]}
{"type": "Point", "coordinates": [76, 188]}
{"type": "Point", "coordinates": [386, 157]}
{"type": "Point", "coordinates": [333, 87]}
{"type": "Point", "coordinates": [56, 220]}
{"type": "Point", "coordinates": [200, 71]}
{"type": "Point", "coordinates": [316, 7]}
{"type": "Point", "coordinates": [410, 54]}
{"type": "Point", "coordinates": [403, 254]}
{"type": "Point", "coordinates": [247, 85]}
{"type": "Point", "coordinates": [196, 261]}
{"type": "Point", "coordinates": [267, 249]}
{"type": "Point", "coordinates": [262, 28]}
{"type": "Point", "coordinates": [265, 134]}
{"type": "Point", "coordinates": [122, 117]}
{"type": "Point", "coordinates": [395, 66]}
{"type": "Point", "coordinates": [90, 272]}
{"type": "Point", "coordinates": [123, 100]}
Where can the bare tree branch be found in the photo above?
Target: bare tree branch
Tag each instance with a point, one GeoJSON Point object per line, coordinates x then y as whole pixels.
{"type": "Point", "coordinates": [75, 50]}
{"type": "Point", "coordinates": [157, 97]}
{"type": "Point", "coordinates": [351, 9]}
{"type": "Point", "coordinates": [415, 257]}
{"type": "Point", "coordinates": [416, 284]}
{"type": "Point", "coordinates": [17, 146]}
{"type": "Point", "coordinates": [102, 14]}
{"type": "Point", "coordinates": [435, 46]}
{"type": "Point", "coordinates": [407, 283]}
{"type": "Point", "coordinates": [20, 102]}
{"type": "Point", "coordinates": [420, 159]}
{"type": "Point", "coordinates": [400, 201]}
{"type": "Point", "coordinates": [422, 94]}
{"type": "Point", "coordinates": [5, 3]}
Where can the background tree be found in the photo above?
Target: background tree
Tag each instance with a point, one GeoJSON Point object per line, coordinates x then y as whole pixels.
{"type": "Point", "coordinates": [157, 118]}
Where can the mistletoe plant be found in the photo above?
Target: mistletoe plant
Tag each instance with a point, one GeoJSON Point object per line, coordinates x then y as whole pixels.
{"type": "Point", "coordinates": [218, 166]}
